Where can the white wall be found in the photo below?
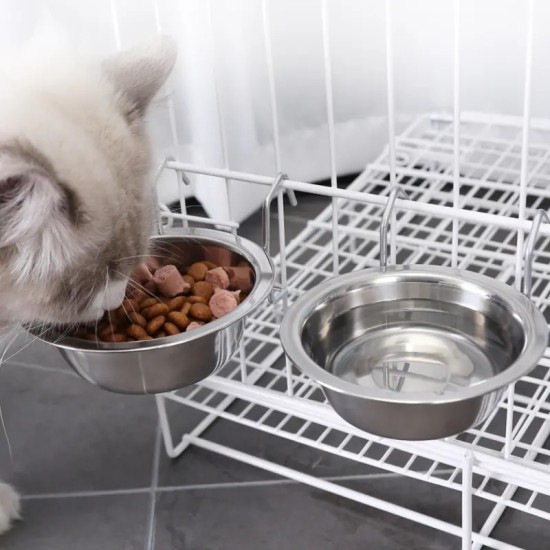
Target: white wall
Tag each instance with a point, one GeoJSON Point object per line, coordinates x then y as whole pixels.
{"type": "Point", "coordinates": [231, 47]}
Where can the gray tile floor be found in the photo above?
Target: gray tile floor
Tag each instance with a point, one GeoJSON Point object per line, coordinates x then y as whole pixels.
{"type": "Point", "coordinates": [94, 475]}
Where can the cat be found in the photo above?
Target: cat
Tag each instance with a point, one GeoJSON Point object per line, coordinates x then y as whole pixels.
{"type": "Point", "coordinates": [76, 197]}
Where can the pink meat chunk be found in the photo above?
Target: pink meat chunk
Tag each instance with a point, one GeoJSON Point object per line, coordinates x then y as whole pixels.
{"type": "Point", "coordinates": [192, 325]}
{"type": "Point", "coordinates": [218, 278]}
{"type": "Point", "coordinates": [169, 281]}
{"type": "Point", "coordinates": [222, 302]}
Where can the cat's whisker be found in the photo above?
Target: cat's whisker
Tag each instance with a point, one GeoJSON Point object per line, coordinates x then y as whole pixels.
{"type": "Point", "coordinates": [138, 286]}
{"type": "Point", "coordinates": [108, 312]}
{"type": "Point", "coordinates": [139, 256]}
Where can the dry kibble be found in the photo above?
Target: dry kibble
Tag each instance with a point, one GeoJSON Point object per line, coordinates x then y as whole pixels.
{"type": "Point", "coordinates": [154, 324]}
{"type": "Point", "coordinates": [197, 300]}
{"type": "Point", "coordinates": [201, 312]}
{"type": "Point", "coordinates": [137, 319]}
{"type": "Point", "coordinates": [179, 319]}
{"type": "Point", "coordinates": [171, 329]}
{"type": "Point", "coordinates": [130, 305]}
{"type": "Point", "coordinates": [137, 332]}
{"type": "Point", "coordinates": [149, 302]}
{"type": "Point", "coordinates": [189, 280]}
{"type": "Point", "coordinates": [115, 337]}
{"type": "Point", "coordinates": [176, 303]}
{"type": "Point", "coordinates": [138, 295]}
{"type": "Point", "coordinates": [106, 332]}
{"type": "Point", "coordinates": [156, 310]}
{"type": "Point", "coordinates": [198, 271]}
{"type": "Point", "coordinates": [204, 289]}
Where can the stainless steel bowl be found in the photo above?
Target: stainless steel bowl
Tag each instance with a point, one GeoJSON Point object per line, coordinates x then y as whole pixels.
{"type": "Point", "coordinates": [412, 352]}
{"type": "Point", "coordinates": [174, 362]}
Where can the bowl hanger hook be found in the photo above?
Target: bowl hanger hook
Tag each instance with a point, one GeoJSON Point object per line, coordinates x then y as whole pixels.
{"type": "Point", "coordinates": [540, 216]}
{"type": "Point", "coordinates": [386, 219]}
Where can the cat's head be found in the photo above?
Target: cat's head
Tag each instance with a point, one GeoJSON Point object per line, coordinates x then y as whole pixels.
{"type": "Point", "coordinates": [76, 195]}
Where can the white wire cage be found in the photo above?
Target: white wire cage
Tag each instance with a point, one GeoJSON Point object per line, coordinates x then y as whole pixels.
{"type": "Point", "coordinates": [474, 182]}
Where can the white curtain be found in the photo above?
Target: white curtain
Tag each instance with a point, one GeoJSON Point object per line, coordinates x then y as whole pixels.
{"type": "Point", "coordinates": [220, 85]}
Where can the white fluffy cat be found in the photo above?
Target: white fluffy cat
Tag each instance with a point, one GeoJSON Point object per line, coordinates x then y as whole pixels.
{"type": "Point", "coordinates": [76, 199]}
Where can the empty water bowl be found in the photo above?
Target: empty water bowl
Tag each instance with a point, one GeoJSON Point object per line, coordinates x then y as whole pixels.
{"type": "Point", "coordinates": [414, 352]}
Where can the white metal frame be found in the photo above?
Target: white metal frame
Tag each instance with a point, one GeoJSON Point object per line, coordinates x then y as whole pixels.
{"type": "Point", "coordinates": [474, 182]}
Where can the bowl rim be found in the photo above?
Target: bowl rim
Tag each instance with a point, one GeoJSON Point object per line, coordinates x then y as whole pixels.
{"type": "Point", "coordinates": [264, 279]}
{"type": "Point", "coordinates": [534, 325]}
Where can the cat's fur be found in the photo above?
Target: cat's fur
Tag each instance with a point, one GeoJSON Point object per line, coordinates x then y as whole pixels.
{"type": "Point", "coordinates": [76, 199]}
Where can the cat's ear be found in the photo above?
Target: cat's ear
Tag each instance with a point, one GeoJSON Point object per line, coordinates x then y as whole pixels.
{"type": "Point", "coordinates": [31, 200]}
{"type": "Point", "coordinates": [138, 74]}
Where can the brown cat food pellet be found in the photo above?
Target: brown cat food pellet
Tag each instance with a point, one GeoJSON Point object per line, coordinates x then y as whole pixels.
{"type": "Point", "coordinates": [155, 311]}
{"type": "Point", "coordinates": [131, 340]}
{"type": "Point", "coordinates": [138, 295]}
{"type": "Point", "coordinates": [137, 332]}
{"type": "Point", "coordinates": [129, 305]}
{"type": "Point", "coordinates": [161, 334]}
{"type": "Point", "coordinates": [193, 325]}
{"type": "Point", "coordinates": [185, 308]}
{"type": "Point", "coordinates": [137, 319]}
{"type": "Point", "coordinates": [218, 277]}
{"type": "Point", "coordinates": [179, 319]}
{"type": "Point", "coordinates": [118, 315]}
{"type": "Point", "coordinates": [201, 312]}
{"type": "Point", "coordinates": [171, 329]}
{"type": "Point", "coordinates": [149, 302]}
{"type": "Point", "coordinates": [154, 324]}
{"type": "Point", "coordinates": [209, 265]}
{"type": "Point", "coordinates": [115, 337]}
{"type": "Point", "coordinates": [204, 289]}
{"type": "Point", "coordinates": [106, 332]}
{"type": "Point", "coordinates": [169, 281]}
{"type": "Point", "coordinates": [146, 338]}
{"type": "Point", "coordinates": [197, 300]}
{"type": "Point", "coordinates": [189, 280]}
{"type": "Point", "coordinates": [198, 271]}
{"type": "Point", "coordinates": [176, 303]}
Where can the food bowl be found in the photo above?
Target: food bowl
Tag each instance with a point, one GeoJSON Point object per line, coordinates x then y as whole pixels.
{"type": "Point", "coordinates": [414, 352]}
{"type": "Point", "coordinates": [173, 362]}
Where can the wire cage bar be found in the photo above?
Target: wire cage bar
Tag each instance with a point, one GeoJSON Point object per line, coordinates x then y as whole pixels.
{"type": "Point", "coordinates": [472, 185]}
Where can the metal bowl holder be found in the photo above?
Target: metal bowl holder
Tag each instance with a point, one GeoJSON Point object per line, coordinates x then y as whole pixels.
{"type": "Point", "coordinates": [279, 292]}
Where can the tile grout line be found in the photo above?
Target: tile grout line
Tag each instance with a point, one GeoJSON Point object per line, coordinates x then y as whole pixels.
{"type": "Point", "coordinates": [223, 485]}
{"type": "Point", "coordinates": [150, 540]}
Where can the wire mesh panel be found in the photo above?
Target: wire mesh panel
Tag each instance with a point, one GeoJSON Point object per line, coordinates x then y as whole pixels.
{"type": "Point", "coordinates": [474, 183]}
{"type": "Point", "coordinates": [260, 390]}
